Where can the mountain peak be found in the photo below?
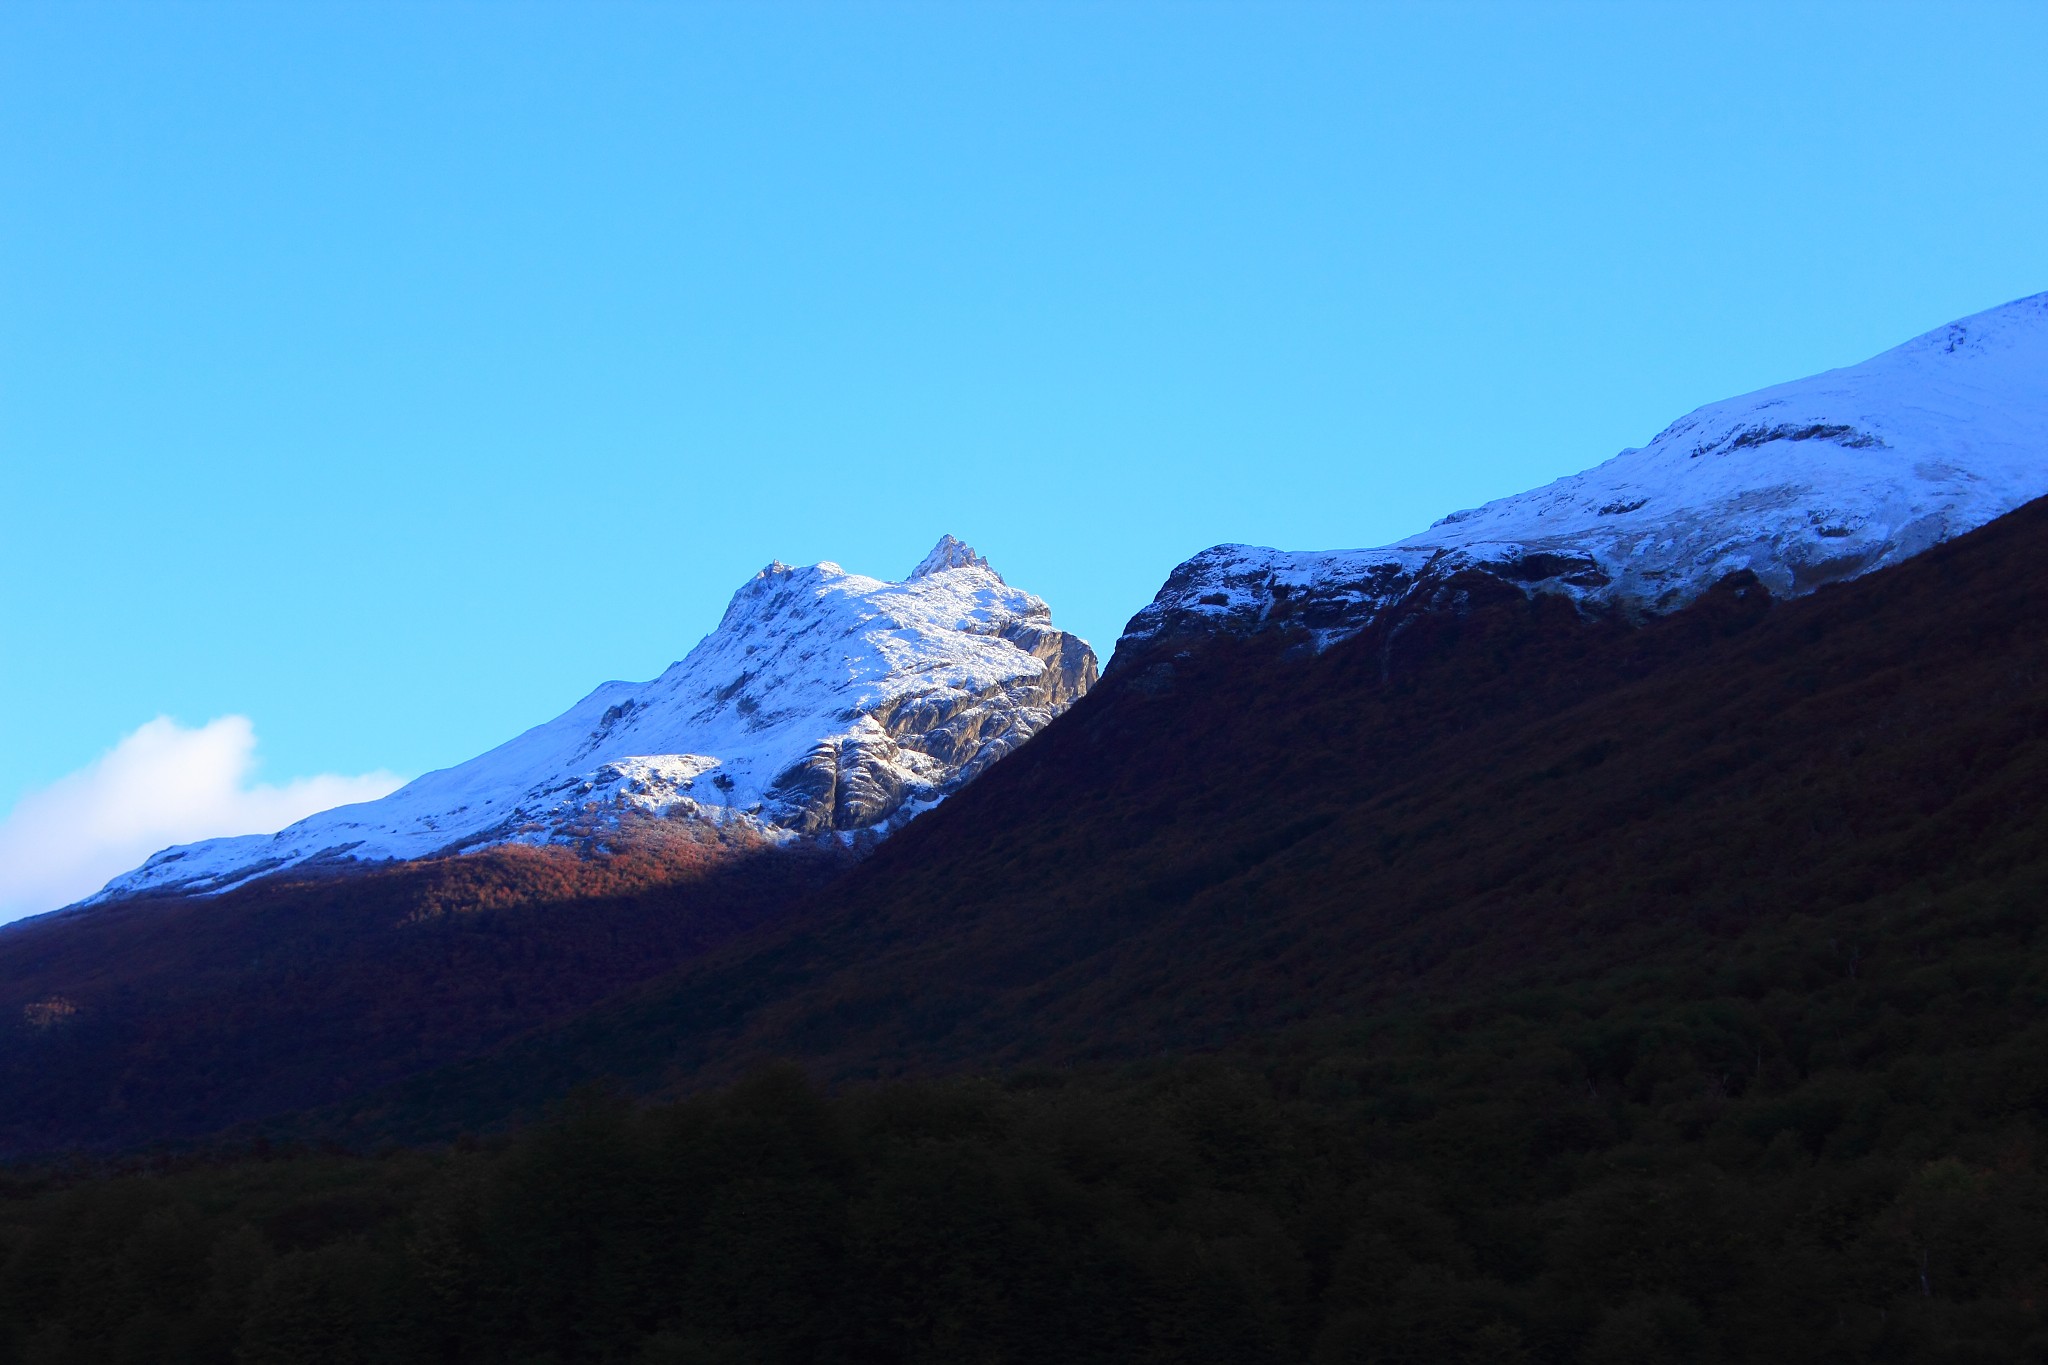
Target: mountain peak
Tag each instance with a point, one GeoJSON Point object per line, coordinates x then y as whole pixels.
{"type": "Point", "coordinates": [824, 703]}
{"type": "Point", "coordinates": [952, 553]}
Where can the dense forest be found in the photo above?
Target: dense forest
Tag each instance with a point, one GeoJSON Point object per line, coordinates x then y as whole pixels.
{"type": "Point", "coordinates": [1800, 1151]}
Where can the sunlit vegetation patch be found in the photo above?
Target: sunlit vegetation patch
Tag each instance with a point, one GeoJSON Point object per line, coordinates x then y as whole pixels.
{"type": "Point", "coordinates": [618, 860]}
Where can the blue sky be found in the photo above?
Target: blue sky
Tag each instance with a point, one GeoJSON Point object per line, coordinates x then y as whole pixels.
{"type": "Point", "coordinates": [389, 375]}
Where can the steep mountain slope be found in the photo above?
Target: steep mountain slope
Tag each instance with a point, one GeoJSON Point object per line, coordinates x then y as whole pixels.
{"type": "Point", "coordinates": [1278, 696]}
{"type": "Point", "coordinates": [1802, 484]}
{"type": "Point", "coordinates": [235, 979]}
{"type": "Point", "coordinates": [824, 701]}
{"type": "Point", "coordinates": [1455, 805]}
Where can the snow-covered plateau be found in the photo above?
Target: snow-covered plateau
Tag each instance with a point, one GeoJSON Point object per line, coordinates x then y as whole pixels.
{"type": "Point", "coordinates": [824, 703]}
{"type": "Point", "coordinates": [1803, 484]}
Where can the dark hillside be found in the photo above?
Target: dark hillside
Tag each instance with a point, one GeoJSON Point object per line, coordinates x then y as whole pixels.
{"type": "Point", "coordinates": [169, 1017]}
{"type": "Point", "coordinates": [1482, 794]}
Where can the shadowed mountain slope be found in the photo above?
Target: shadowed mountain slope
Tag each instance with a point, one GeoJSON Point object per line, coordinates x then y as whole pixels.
{"type": "Point", "coordinates": [169, 1017]}
{"type": "Point", "coordinates": [1481, 793]}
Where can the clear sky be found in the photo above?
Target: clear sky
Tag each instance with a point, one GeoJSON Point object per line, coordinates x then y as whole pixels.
{"type": "Point", "coordinates": [388, 375]}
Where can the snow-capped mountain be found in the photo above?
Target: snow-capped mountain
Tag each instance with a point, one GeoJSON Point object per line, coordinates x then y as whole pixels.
{"type": "Point", "coordinates": [823, 702]}
{"type": "Point", "coordinates": [1806, 483]}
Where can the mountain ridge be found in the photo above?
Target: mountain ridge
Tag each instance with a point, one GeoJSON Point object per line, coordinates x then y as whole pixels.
{"type": "Point", "coordinates": [1137, 787]}
{"type": "Point", "coordinates": [1802, 483]}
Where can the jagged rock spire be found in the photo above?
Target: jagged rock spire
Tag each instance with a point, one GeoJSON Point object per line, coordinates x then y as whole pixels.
{"type": "Point", "coordinates": [952, 553]}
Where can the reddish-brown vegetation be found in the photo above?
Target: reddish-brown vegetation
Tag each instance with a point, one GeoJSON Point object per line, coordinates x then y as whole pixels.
{"type": "Point", "coordinates": [167, 1017]}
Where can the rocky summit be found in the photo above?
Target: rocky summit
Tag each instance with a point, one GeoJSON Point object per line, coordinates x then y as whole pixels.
{"type": "Point", "coordinates": [824, 703]}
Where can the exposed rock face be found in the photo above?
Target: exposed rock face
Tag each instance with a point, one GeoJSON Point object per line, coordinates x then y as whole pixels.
{"type": "Point", "coordinates": [924, 746]}
{"type": "Point", "coordinates": [825, 702]}
{"type": "Point", "coordinates": [1804, 484]}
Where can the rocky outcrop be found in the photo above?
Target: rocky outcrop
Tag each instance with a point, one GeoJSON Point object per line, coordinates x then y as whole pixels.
{"type": "Point", "coordinates": [923, 746]}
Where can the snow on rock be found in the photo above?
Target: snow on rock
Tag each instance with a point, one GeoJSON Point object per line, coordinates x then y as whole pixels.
{"type": "Point", "coordinates": [952, 554]}
{"type": "Point", "coordinates": [823, 702]}
{"type": "Point", "coordinates": [1803, 484]}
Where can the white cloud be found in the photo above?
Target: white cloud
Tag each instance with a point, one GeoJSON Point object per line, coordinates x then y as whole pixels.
{"type": "Point", "coordinates": [163, 784]}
